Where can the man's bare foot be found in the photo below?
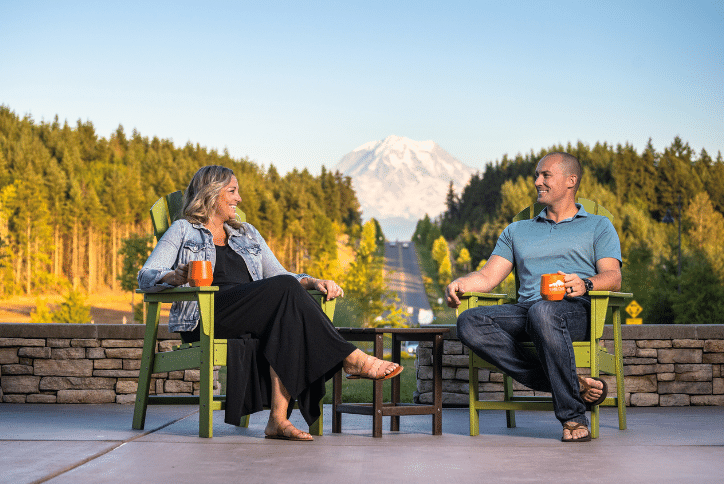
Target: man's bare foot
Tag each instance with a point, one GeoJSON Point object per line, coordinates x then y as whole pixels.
{"type": "Point", "coordinates": [575, 432]}
{"type": "Point", "coordinates": [361, 365]}
{"type": "Point", "coordinates": [285, 431]}
{"type": "Point", "coordinates": [591, 389]}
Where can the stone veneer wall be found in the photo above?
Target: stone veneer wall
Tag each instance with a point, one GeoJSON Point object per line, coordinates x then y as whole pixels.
{"type": "Point", "coordinates": [82, 363]}
{"type": "Point", "coordinates": [664, 365]}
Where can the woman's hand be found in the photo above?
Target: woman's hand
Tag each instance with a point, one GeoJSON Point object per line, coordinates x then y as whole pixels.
{"type": "Point", "coordinates": [330, 288]}
{"type": "Point", "coordinates": [178, 277]}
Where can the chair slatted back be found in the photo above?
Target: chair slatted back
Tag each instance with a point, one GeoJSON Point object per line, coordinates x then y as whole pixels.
{"type": "Point", "coordinates": [589, 205]}
{"type": "Point", "coordinates": [168, 209]}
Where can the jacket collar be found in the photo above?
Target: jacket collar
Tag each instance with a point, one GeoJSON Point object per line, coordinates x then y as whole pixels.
{"type": "Point", "coordinates": [229, 229]}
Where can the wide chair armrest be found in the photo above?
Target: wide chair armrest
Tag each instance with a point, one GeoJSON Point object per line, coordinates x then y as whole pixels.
{"type": "Point", "coordinates": [601, 302]}
{"type": "Point", "coordinates": [176, 294]}
{"type": "Point", "coordinates": [469, 300]}
{"type": "Point", "coordinates": [203, 294]}
{"type": "Point", "coordinates": [609, 299]}
{"type": "Point", "coordinates": [321, 298]}
{"type": "Point", "coordinates": [189, 293]}
{"type": "Point", "coordinates": [614, 294]}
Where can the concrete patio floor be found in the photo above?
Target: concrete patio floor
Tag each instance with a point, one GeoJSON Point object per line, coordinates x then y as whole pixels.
{"type": "Point", "coordinates": [95, 443]}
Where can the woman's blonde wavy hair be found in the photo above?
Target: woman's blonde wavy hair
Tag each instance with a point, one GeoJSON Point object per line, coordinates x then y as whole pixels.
{"type": "Point", "coordinates": [202, 193]}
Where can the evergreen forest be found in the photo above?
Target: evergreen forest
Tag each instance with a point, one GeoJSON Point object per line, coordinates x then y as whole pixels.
{"type": "Point", "coordinates": [70, 198]}
{"type": "Point", "coordinates": [651, 194]}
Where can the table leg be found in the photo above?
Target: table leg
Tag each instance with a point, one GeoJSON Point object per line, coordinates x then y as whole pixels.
{"type": "Point", "coordinates": [336, 400]}
{"type": "Point", "coordinates": [377, 390]}
{"type": "Point", "coordinates": [395, 390]}
{"type": "Point", "coordinates": [437, 384]}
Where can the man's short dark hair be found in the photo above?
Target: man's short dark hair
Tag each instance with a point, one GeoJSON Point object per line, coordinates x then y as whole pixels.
{"type": "Point", "coordinates": [570, 165]}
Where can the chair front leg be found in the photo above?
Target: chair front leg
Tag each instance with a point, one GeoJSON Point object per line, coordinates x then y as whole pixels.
{"type": "Point", "coordinates": [618, 352]}
{"type": "Point", "coordinates": [474, 396]}
{"type": "Point", "coordinates": [206, 390]}
{"type": "Point", "coordinates": [317, 427]}
{"type": "Point", "coordinates": [147, 361]}
{"type": "Point", "coordinates": [508, 397]}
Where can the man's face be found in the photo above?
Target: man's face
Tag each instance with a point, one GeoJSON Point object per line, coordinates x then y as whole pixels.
{"type": "Point", "coordinates": [551, 182]}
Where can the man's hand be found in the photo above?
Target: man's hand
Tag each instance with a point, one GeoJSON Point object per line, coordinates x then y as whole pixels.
{"type": "Point", "coordinates": [452, 291]}
{"type": "Point", "coordinates": [607, 278]}
{"type": "Point", "coordinates": [484, 280]}
{"type": "Point", "coordinates": [574, 284]}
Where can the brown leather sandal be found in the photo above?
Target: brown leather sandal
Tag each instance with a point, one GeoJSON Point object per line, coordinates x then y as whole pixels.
{"type": "Point", "coordinates": [571, 426]}
{"type": "Point", "coordinates": [290, 432]}
{"type": "Point", "coordinates": [585, 387]}
{"type": "Point", "coordinates": [372, 370]}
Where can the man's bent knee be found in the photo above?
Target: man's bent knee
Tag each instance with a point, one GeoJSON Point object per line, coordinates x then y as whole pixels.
{"type": "Point", "coordinates": [543, 311]}
{"type": "Point", "coordinates": [465, 327]}
{"type": "Point", "coordinates": [471, 326]}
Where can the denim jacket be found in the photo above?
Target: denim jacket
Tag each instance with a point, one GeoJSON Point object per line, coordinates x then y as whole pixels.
{"type": "Point", "coordinates": [184, 242]}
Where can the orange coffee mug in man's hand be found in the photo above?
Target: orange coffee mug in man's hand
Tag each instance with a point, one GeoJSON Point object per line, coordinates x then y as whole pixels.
{"type": "Point", "coordinates": [200, 273]}
{"type": "Point", "coordinates": [552, 287]}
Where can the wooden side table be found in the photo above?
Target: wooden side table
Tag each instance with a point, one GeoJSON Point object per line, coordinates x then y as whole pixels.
{"type": "Point", "coordinates": [394, 408]}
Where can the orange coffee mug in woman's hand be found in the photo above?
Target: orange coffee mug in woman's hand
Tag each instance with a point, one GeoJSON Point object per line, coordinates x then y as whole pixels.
{"type": "Point", "coordinates": [200, 273]}
{"type": "Point", "coordinates": [552, 287]}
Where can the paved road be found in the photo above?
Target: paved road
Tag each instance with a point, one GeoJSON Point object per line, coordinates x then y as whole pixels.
{"type": "Point", "coordinates": [406, 280]}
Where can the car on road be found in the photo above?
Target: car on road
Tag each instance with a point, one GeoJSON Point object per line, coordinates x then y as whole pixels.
{"type": "Point", "coordinates": [405, 245]}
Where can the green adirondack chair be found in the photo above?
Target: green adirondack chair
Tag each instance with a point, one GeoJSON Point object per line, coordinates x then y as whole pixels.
{"type": "Point", "coordinates": [204, 354]}
{"type": "Point", "coordinates": [589, 354]}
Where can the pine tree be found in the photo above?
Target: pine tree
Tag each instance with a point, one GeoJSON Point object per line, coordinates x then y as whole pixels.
{"type": "Point", "coordinates": [706, 230]}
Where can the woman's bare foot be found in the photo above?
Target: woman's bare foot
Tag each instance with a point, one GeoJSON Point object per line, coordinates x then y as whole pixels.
{"type": "Point", "coordinates": [361, 365]}
{"type": "Point", "coordinates": [285, 430]}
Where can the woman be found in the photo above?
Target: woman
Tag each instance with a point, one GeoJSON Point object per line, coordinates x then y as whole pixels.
{"type": "Point", "coordinates": [256, 296]}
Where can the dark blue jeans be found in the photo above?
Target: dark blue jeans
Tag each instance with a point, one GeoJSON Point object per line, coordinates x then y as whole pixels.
{"type": "Point", "coordinates": [495, 332]}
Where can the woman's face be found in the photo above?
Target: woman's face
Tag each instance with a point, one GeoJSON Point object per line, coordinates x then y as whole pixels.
{"type": "Point", "coordinates": [228, 199]}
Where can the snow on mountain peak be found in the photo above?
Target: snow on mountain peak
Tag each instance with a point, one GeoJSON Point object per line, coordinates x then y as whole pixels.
{"type": "Point", "coordinates": [402, 179]}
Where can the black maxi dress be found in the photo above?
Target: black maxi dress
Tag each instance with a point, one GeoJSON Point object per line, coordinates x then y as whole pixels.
{"type": "Point", "coordinates": [272, 322]}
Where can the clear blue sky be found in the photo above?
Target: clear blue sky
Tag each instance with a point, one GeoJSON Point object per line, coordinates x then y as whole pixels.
{"type": "Point", "coordinates": [301, 85]}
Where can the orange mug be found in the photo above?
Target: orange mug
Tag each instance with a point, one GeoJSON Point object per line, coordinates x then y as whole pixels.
{"type": "Point", "coordinates": [200, 273]}
{"type": "Point", "coordinates": [551, 287]}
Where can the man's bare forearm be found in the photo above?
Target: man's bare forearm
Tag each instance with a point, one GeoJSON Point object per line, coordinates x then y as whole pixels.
{"type": "Point", "coordinates": [607, 281]}
{"type": "Point", "coordinates": [484, 280]}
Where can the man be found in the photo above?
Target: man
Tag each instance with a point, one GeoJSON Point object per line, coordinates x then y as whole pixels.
{"type": "Point", "coordinates": [563, 238]}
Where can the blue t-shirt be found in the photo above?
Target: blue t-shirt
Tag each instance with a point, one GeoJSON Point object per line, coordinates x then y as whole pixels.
{"type": "Point", "coordinates": [541, 246]}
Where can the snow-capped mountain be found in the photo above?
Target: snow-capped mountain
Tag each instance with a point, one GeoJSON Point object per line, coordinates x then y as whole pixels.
{"type": "Point", "coordinates": [399, 180]}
